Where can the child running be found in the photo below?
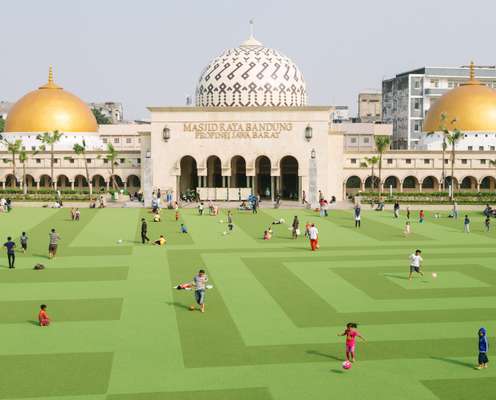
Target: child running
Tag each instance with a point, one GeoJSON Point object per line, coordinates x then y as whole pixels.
{"type": "Point", "coordinates": [421, 216]}
{"type": "Point", "coordinates": [43, 317]}
{"type": "Point", "coordinates": [24, 242]}
{"type": "Point", "coordinates": [200, 283]}
{"type": "Point", "coordinates": [351, 333]}
{"type": "Point", "coordinates": [483, 347]}
{"type": "Point", "coordinates": [466, 224]}
{"type": "Point", "coordinates": [487, 224]}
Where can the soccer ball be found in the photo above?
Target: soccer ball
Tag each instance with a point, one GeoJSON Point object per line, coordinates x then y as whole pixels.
{"type": "Point", "coordinates": [224, 233]}
{"type": "Point", "coordinates": [191, 308]}
{"type": "Point", "coordinates": [221, 221]}
{"type": "Point", "coordinates": [346, 365]}
{"type": "Point", "coordinates": [434, 275]}
{"type": "Point", "coordinates": [119, 241]}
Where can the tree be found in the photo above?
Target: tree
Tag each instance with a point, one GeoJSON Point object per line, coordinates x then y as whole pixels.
{"type": "Point", "coordinates": [453, 138]}
{"type": "Point", "coordinates": [13, 148]}
{"type": "Point", "coordinates": [370, 162]}
{"type": "Point", "coordinates": [50, 139]}
{"type": "Point", "coordinates": [23, 158]}
{"type": "Point", "coordinates": [80, 149]}
{"type": "Point", "coordinates": [381, 145]}
{"type": "Point", "coordinates": [112, 156]}
{"type": "Point", "coordinates": [101, 118]}
{"type": "Point", "coordinates": [445, 133]}
{"type": "Point", "coordinates": [2, 124]}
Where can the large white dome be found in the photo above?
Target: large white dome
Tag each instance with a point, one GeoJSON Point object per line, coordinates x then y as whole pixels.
{"type": "Point", "coordinates": [251, 75]}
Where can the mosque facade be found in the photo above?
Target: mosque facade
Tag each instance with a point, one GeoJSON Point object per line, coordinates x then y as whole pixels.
{"type": "Point", "coordinates": [251, 130]}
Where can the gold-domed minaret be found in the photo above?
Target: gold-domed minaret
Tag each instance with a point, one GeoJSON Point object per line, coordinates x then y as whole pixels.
{"type": "Point", "coordinates": [50, 108]}
{"type": "Point", "coordinates": [469, 107]}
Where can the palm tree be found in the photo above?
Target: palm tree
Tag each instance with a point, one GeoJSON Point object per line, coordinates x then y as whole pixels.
{"type": "Point", "coordinates": [453, 138]}
{"type": "Point", "coordinates": [23, 158]}
{"type": "Point", "coordinates": [370, 162]}
{"type": "Point", "coordinates": [112, 156]}
{"type": "Point", "coordinates": [445, 132]}
{"type": "Point", "coordinates": [381, 145]}
{"type": "Point", "coordinates": [50, 139]}
{"type": "Point", "coordinates": [80, 149]}
{"type": "Point", "coordinates": [13, 148]}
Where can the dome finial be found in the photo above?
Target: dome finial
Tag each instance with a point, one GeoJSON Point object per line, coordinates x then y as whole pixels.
{"type": "Point", "coordinates": [472, 71]}
{"type": "Point", "coordinates": [50, 75]}
{"type": "Point", "coordinates": [251, 42]}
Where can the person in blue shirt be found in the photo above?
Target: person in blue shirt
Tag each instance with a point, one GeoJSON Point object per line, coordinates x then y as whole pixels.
{"type": "Point", "coordinates": [483, 347]}
{"type": "Point", "coordinates": [10, 246]}
{"type": "Point", "coordinates": [184, 229]}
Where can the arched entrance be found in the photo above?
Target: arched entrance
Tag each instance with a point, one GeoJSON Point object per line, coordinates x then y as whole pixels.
{"type": "Point", "coordinates": [262, 179]}
{"type": "Point", "coordinates": [30, 183]}
{"type": "Point", "coordinates": [98, 182]}
{"type": "Point", "coordinates": [238, 172]}
{"type": "Point", "coordinates": [189, 174]}
{"type": "Point", "coordinates": [368, 183]}
{"type": "Point", "coordinates": [80, 182]}
{"type": "Point", "coordinates": [214, 172]}
{"type": "Point", "coordinates": [430, 183]}
{"type": "Point", "coordinates": [391, 182]}
{"type": "Point", "coordinates": [353, 185]}
{"type": "Point", "coordinates": [63, 182]}
{"type": "Point", "coordinates": [488, 183]}
{"type": "Point", "coordinates": [410, 184]}
{"type": "Point", "coordinates": [289, 179]}
{"type": "Point", "coordinates": [11, 181]}
{"type": "Point", "coordinates": [448, 181]}
{"type": "Point", "coordinates": [118, 182]}
{"type": "Point", "coordinates": [469, 183]}
{"type": "Point", "coordinates": [45, 181]}
{"type": "Point", "coordinates": [133, 183]}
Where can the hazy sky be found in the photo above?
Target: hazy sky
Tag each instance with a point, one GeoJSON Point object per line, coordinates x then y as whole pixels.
{"type": "Point", "coordinates": [148, 52]}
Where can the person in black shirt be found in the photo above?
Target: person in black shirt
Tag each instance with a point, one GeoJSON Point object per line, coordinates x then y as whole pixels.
{"type": "Point", "coordinates": [144, 229]}
{"type": "Point", "coordinates": [10, 246]}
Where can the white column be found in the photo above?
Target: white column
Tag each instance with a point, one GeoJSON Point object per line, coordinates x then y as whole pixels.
{"type": "Point", "coordinates": [72, 185]}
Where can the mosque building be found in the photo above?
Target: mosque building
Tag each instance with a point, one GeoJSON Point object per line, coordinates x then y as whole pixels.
{"type": "Point", "coordinates": [251, 130]}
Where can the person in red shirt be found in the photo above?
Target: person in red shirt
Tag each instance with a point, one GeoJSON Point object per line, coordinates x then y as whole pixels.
{"type": "Point", "coordinates": [43, 317]}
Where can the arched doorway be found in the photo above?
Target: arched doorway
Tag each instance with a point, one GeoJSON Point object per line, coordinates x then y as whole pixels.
{"type": "Point", "coordinates": [353, 185]}
{"type": "Point", "coordinates": [30, 183]}
{"type": "Point", "coordinates": [238, 172]}
{"type": "Point", "coordinates": [449, 183]}
{"type": "Point", "coordinates": [289, 179]}
{"type": "Point", "coordinates": [391, 182]}
{"type": "Point", "coordinates": [45, 181]}
{"type": "Point", "coordinates": [80, 182]}
{"type": "Point", "coordinates": [214, 172]}
{"type": "Point", "coordinates": [410, 184]}
{"type": "Point", "coordinates": [98, 182]}
{"type": "Point", "coordinates": [368, 183]}
{"type": "Point", "coordinates": [189, 174]}
{"type": "Point", "coordinates": [11, 181]}
{"type": "Point", "coordinates": [262, 179]}
{"type": "Point", "coordinates": [63, 182]}
{"type": "Point", "coordinates": [430, 183]}
{"type": "Point", "coordinates": [133, 183]}
{"type": "Point", "coordinates": [469, 183]}
{"type": "Point", "coordinates": [118, 182]}
{"type": "Point", "coordinates": [488, 183]}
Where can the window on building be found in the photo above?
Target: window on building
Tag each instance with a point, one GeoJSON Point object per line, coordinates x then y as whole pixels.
{"type": "Point", "coordinates": [55, 160]}
{"type": "Point", "coordinates": [417, 84]}
{"type": "Point", "coordinates": [389, 160]}
{"type": "Point", "coordinates": [416, 127]}
{"type": "Point", "coordinates": [470, 148]}
{"type": "Point", "coordinates": [464, 161]}
{"type": "Point", "coordinates": [446, 161]}
{"type": "Point", "coordinates": [427, 161]}
{"type": "Point", "coordinates": [38, 161]}
{"type": "Point", "coordinates": [139, 140]}
{"type": "Point", "coordinates": [139, 160]}
{"type": "Point", "coordinates": [492, 148]}
{"type": "Point", "coordinates": [105, 161]}
{"type": "Point", "coordinates": [416, 104]}
{"type": "Point", "coordinates": [353, 140]}
{"type": "Point", "coordinates": [481, 148]}
{"type": "Point", "coordinates": [71, 160]}
{"type": "Point", "coordinates": [483, 162]}
{"type": "Point", "coordinates": [129, 140]}
{"type": "Point", "coordinates": [122, 160]}
{"type": "Point", "coordinates": [435, 83]}
{"type": "Point", "coordinates": [408, 161]}
{"type": "Point", "coordinates": [116, 140]}
{"type": "Point", "coordinates": [88, 160]}
{"type": "Point", "coordinates": [353, 160]}
{"type": "Point", "coordinates": [105, 140]}
{"type": "Point", "coordinates": [33, 148]}
{"type": "Point", "coordinates": [366, 140]}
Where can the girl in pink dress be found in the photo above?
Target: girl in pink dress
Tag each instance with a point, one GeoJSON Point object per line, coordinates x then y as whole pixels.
{"type": "Point", "coordinates": [351, 333]}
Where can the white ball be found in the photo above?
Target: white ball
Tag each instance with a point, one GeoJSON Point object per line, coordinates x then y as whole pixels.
{"type": "Point", "coordinates": [434, 275]}
{"type": "Point", "coordinates": [119, 241]}
{"type": "Point", "coordinates": [221, 221]}
{"type": "Point", "coordinates": [224, 233]}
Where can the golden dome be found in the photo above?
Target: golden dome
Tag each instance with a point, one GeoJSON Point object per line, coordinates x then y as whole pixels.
{"type": "Point", "coordinates": [50, 108]}
{"type": "Point", "coordinates": [469, 107]}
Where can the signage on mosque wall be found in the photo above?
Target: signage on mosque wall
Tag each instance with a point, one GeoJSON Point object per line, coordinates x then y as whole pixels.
{"type": "Point", "coordinates": [237, 130]}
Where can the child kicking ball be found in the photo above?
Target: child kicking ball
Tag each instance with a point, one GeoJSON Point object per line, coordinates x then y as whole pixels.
{"type": "Point", "coordinates": [351, 334]}
{"type": "Point", "coordinates": [199, 283]}
{"type": "Point", "coordinates": [415, 261]}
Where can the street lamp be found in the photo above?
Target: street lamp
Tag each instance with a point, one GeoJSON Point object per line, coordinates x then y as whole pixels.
{"type": "Point", "coordinates": [166, 134]}
{"type": "Point", "coordinates": [308, 133]}
{"type": "Point", "coordinates": [313, 154]}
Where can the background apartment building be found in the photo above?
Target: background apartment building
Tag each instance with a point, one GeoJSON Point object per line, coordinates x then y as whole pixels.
{"type": "Point", "coordinates": [407, 97]}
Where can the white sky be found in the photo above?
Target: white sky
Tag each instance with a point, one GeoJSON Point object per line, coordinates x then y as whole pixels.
{"type": "Point", "coordinates": [151, 52]}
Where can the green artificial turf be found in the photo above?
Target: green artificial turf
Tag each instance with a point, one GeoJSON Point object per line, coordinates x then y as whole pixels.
{"type": "Point", "coordinates": [121, 332]}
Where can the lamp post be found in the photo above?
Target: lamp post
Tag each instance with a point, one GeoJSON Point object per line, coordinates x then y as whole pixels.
{"type": "Point", "coordinates": [308, 133]}
{"type": "Point", "coordinates": [312, 180]}
{"type": "Point", "coordinates": [166, 134]}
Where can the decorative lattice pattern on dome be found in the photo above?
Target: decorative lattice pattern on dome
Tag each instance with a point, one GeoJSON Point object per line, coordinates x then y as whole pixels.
{"type": "Point", "coordinates": [251, 76]}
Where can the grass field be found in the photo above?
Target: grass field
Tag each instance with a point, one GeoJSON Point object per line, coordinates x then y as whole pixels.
{"type": "Point", "coordinates": [120, 331]}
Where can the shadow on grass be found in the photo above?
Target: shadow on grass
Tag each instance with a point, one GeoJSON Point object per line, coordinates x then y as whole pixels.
{"type": "Point", "coordinates": [35, 323]}
{"type": "Point", "coordinates": [454, 361]}
{"type": "Point", "coordinates": [318, 353]}
{"type": "Point", "coordinates": [177, 304]}
{"type": "Point", "coordinates": [337, 371]}
{"type": "Point", "coordinates": [396, 276]}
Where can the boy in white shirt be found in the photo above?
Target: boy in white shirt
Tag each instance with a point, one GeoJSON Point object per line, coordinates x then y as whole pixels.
{"type": "Point", "coordinates": [415, 260]}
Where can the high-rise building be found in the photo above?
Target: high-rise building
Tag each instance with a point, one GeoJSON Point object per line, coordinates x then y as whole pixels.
{"type": "Point", "coordinates": [370, 106]}
{"type": "Point", "coordinates": [407, 97]}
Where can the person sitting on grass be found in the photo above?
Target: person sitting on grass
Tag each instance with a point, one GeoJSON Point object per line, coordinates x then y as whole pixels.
{"type": "Point", "coordinates": [43, 317]}
{"type": "Point", "coordinates": [184, 229]}
{"type": "Point", "coordinates": [267, 235]}
{"type": "Point", "coordinates": [160, 241]}
{"type": "Point", "coordinates": [156, 217]}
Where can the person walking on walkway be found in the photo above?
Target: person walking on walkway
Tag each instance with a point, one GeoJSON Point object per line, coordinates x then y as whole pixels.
{"type": "Point", "coordinates": [10, 246]}
{"type": "Point", "coordinates": [144, 229]}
